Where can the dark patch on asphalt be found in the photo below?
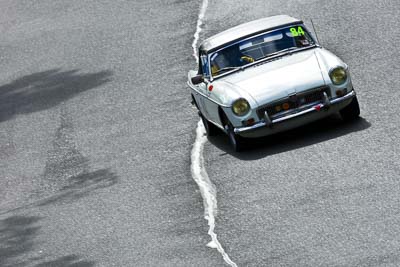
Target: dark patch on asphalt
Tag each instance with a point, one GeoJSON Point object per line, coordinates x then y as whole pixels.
{"type": "Point", "coordinates": [17, 240]}
{"type": "Point", "coordinates": [46, 89]}
{"type": "Point", "coordinates": [17, 235]}
{"type": "Point", "coordinates": [7, 145]}
{"type": "Point", "coordinates": [67, 172]}
{"type": "Point", "coordinates": [67, 261]}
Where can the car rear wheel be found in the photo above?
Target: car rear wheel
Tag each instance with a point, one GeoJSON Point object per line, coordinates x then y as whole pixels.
{"type": "Point", "coordinates": [351, 111]}
{"type": "Point", "coordinates": [211, 129]}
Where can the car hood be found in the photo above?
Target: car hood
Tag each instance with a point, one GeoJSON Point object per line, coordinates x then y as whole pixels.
{"type": "Point", "coordinates": [277, 79]}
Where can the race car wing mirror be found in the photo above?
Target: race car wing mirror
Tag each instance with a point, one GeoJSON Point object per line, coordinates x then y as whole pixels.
{"type": "Point", "coordinates": [197, 79]}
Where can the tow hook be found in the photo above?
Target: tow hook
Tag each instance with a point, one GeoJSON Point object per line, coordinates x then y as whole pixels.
{"type": "Point", "coordinates": [267, 120]}
{"type": "Point", "coordinates": [325, 98]}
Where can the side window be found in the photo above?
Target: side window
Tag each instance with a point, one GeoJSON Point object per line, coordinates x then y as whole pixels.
{"type": "Point", "coordinates": [204, 65]}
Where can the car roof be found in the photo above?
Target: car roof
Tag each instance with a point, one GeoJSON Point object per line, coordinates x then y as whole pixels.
{"type": "Point", "coordinates": [246, 29]}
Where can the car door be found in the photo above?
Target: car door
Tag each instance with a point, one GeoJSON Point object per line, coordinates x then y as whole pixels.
{"type": "Point", "coordinates": [201, 98]}
{"type": "Point", "coordinates": [209, 106]}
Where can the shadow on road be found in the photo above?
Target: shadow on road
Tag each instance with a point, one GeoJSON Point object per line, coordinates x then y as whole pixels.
{"type": "Point", "coordinates": [43, 90]}
{"type": "Point", "coordinates": [17, 242]}
{"type": "Point", "coordinates": [80, 186]}
{"type": "Point", "coordinates": [67, 173]}
{"type": "Point", "coordinates": [319, 131]}
{"type": "Point", "coordinates": [17, 235]}
{"type": "Point", "coordinates": [67, 261]}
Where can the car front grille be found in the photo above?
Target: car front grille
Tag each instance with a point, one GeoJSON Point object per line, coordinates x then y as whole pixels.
{"type": "Point", "coordinates": [293, 102]}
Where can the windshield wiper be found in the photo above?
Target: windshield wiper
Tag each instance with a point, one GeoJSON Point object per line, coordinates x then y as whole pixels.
{"type": "Point", "coordinates": [281, 51]}
{"type": "Point", "coordinates": [227, 69]}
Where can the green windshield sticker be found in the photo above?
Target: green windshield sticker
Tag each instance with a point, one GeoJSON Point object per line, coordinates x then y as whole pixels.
{"type": "Point", "coordinates": [297, 32]}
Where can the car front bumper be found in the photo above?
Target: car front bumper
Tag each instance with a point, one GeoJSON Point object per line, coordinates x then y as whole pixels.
{"type": "Point", "coordinates": [316, 112]}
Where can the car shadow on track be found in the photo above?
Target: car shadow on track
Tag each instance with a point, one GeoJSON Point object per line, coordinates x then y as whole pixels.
{"type": "Point", "coordinates": [316, 132]}
{"type": "Point", "coordinates": [43, 90]}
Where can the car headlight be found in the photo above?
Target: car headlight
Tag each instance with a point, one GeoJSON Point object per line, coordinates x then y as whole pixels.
{"type": "Point", "coordinates": [241, 107]}
{"type": "Point", "coordinates": [338, 75]}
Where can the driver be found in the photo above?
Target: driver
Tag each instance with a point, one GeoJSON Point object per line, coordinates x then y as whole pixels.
{"type": "Point", "coordinates": [229, 57]}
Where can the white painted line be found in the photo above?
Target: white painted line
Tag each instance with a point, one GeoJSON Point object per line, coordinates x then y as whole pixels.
{"type": "Point", "coordinates": [196, 35]}
{"type": "Point", "coordinates": [199, 173]}
{"type": "Point", "coordinates": [207, 190]}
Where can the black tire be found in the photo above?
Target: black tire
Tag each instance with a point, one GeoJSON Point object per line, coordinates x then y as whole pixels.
{"type": "Point", "coordinates": [211, 129]}
{"type": "Point", "coordinates": [236, 141]}
{"type": "Point", "coordinates": [352, 111]}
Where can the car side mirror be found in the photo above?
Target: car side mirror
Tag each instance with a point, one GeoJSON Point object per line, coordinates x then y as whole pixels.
{"type": "Point", "coordinates": [197, 79]}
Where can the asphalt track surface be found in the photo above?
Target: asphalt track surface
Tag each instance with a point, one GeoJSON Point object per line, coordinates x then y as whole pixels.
{"type": "Point", "coordinates": [96, 131]}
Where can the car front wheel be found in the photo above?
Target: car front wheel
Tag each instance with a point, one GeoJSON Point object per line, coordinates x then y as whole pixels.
{"type": "Point", "coordinates": [351, 111]}
{"type": "Point", "coordinates": [211, 129]}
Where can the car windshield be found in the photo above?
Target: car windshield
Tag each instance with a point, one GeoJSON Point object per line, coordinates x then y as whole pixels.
{"type": "Point", "coordinates": [259, 47]}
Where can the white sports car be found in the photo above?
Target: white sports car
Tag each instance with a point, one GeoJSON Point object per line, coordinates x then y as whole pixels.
{"type": "Point", "coordinates": [267, 76]}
